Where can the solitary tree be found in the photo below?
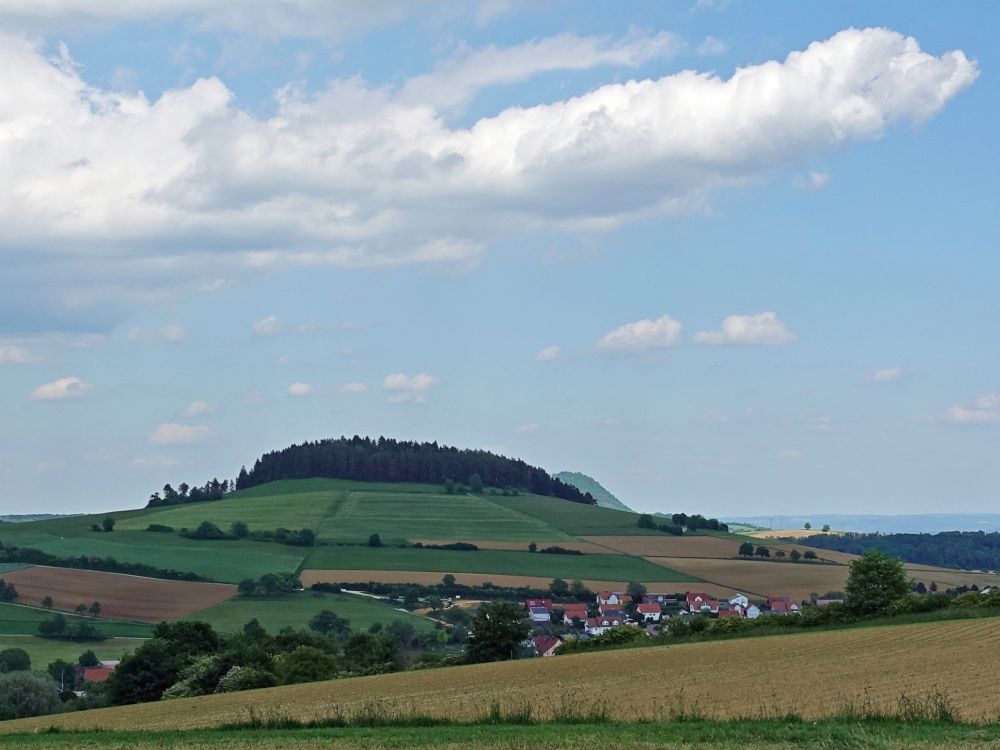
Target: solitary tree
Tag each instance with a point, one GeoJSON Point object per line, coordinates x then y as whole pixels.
{"type": "Point", "coordinates": [532, 547]}
{"type": "Point", "coordinates": [746, 549]}
{"type": "Point", "coordinates": [763, 551]}
{"type": "Point", "coordinates": [14, 660]}
{"type": "Point", "coordinates": [807, 526]}
{"type": "Point", "coordinates": [448, 581]}
{"type": "Point", "coordinates": [636, 590]}
{"type": "Point", "coordinates": [239, 530]}
{"type": "Point", "coordinates": [826, 528]}
{"type": "Point", "coordinates": [874, 582]}
{"type": "Point", "coordinates": [81, 609]}
{"type": "Point", "coordinates": [108, 524]}
{"type": "Point", "coordinates": [779, 553]}
{"type": "Point", "coordinates": [94, 610]}
{"type": "Point", "coordinates": [47, 602]}
{"type": "Point", "coordinates": [374, 540]}
{"type": "Point", "coordinates": [497, 631]}
{"type": "Point", "coordinates": [795, 555]}
{"type": "Point", "coordinates": [809, 555]}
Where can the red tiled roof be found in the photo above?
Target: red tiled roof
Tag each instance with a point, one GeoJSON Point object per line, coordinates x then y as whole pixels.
{"type": "Point", "coordinates": [648, 609]}
{"type": "Point", "coordinates": [97, 674]}
{"type": "Point", "coordinates": [543, 643]}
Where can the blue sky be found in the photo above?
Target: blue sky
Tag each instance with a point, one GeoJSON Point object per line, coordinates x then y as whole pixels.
{"type": "Point", "coordinates": [726, 257]}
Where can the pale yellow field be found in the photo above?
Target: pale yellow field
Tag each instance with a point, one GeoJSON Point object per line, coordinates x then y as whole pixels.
{"type": "Point", "coordinates": [763, 578]}
{"type": "Point", "coordinates": [585, 547]}
{"type": "Point", "coordinates": [813, 674]}
{"type": "Point", "coordinates": [668, 546]}
{"type": "Point", "coordinates": [789, 533]}
{"type": "Point", "coordinates": [309, 577]}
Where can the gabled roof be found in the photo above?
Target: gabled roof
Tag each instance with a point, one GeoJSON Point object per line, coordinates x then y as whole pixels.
{"type": "Point", "coordinates": [648, 609]}
{"type": "Point", "coordinates": [539, 611]}
{"type": "Point", "coordinates": [97, 674]}
{"type": "Point", "coordinates": [544, 643]}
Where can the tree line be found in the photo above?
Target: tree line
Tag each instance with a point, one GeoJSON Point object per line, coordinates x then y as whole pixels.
{"type": "Point", "coordinates": [387, 460]}
{"type": "Point", "coordinates": [971, 550]}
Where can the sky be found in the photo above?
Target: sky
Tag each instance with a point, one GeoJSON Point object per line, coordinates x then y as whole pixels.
{"type": "Point", "coordinates": [726, 257]}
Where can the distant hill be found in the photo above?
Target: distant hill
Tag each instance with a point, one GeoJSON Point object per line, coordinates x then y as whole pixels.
{"type": "Point", "coordinates": [596, 490]}
{"type": "Point", "coordinates": [925, 523]}
{"type": "Point", "coordinates": [33, 517]}
{"type": "Point", "coordinates": [383, 459]}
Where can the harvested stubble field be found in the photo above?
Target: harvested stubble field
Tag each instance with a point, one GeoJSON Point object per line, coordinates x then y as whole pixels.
{"type": "Point", "coordinates": [809, 674]}
{"type": "Point", "coordinates": [122, 597]}
{"type": "Point", "coordinates": [669, 546]}
{"type": "Point", "coordinates": [429, 578]}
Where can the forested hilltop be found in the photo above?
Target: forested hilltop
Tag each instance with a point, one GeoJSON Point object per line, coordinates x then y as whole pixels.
{"type": "Point", "coordinates": [971, 550]}
{"type": "Point", "coordinates": [388, 460]}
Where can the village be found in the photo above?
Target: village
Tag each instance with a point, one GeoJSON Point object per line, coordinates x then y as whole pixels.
{"type": "Point", "coordinates": [555, 623]}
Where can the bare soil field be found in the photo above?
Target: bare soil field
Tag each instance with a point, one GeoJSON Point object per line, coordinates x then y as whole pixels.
{"type": "Point", "coordinates": [815, 675]}
{"type": "Point", "coordinates": [429, 578]}
{"type": "Point", "coordinates": [122, 597]}
{"type": "Point", "coordinates": [585, 547]}
{"type": "Point", "coordinates": [669, 546]}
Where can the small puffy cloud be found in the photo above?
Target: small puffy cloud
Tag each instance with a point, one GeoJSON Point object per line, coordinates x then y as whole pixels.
{"type": "Point", "coordinates": [268, 326]}
{"type": "Point", "coordinates": [300, 389]}
{"type": "Point", "coordinates": [761, 329]}
{"type": "Point", "coordinates": [887, 374]}
{"type": "Point", "coordinates": [789, 454]}
{"type": "Point", "coordinates": [642, 336]}
{"type": "Point", "coordinates": [404, 388]}
{"type": "Point", "coordinates": [527, 429]}
{"type": "Point", "coordinates": [984, 412]}
{"type": "Point", "coordinates": [197, 407]}
{"type": "Point", "coordinates": [169, 334]}
{"type": "Point", "coordinates": [710, 45]}
{"type": "Point", "coordinates": [13, 354]}
{"type": "Point", "coordinates": [353, 388]}
{"type": "Point", "coordinates": [172, 433]}
{"type": "Point", "coordinates": [548, 354]}
{"type": "Point", "coordinates": [60, 389]}
{"type": "Point", "coordinates": [811, 180]}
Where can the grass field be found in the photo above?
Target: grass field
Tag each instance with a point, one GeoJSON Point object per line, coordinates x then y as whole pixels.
{"type": "Point", "coordinates": [669, 546]}
{"type": "Point", "coordinates": [296, 610]}
{"type": "Point", "coordinates": [812, 675]}
{"type": "Point", "coordinates": [44, 651]}
{"type": "Point", "coordinates": [122, 597]}
{"type": "Point", "coordinates": [17, 619]}
{"type": "Point", "coordinates": [678, 735]}
{"type": "Point", "coordinates": [604, 567]}
{"type": "Point", "coordinates": [575, 519]}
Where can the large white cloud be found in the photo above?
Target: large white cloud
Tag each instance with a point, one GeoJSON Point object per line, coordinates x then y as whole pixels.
{"type": "Point", "coordinates": [110, 200]}
{"type": "Point", "coordinates": [642, 336]}
{"type": "Point", "coordinates": [61, 389]}
{"type": "Point", "coordinates": [763, 328]}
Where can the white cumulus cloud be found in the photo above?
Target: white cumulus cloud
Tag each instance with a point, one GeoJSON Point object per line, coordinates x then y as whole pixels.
{"type": "Point", "coordinates": [404, 388]}
{"type": "Point", "coordinates": [172, 433]}
{"type": "Point", "coordinates": [984, 412]}
{"type": "Point", "coordinates": [300, 389]}
{"type": "Point", "coordinates": [198, 407]}
{"type": "Point", "coordinates": [763, 329]}
{"type": "Point", "coordinates": [887, 374]}
{"type": "Point", "coordinates": [60, 389]}
{"type": "Point", "coordinates": [353, 388]}
{"type": "Point", "coordinates": [109, 189]}
{"type": "Point", "coordinates": [268, 326]}
{"type": "Point", "coordinates": [642, 336]}
{"type": "Point", "coordinates": [548, 354]}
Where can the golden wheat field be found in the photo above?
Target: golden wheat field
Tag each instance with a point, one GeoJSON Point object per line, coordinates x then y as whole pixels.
{"type": "Point", "coordinates": [812, 674]}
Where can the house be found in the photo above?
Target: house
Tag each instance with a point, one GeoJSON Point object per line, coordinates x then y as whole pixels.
{"type": "Point", "coordinates": [705, 607]}
{"type": "Point", "coordinates": [545, 604]}
{"type": "Point", "coordinates": [605, 608]}
{"type": "Point", "coordinates": [660, 599]}
{"type": "Point", "coordinates": [649, 612]}
{"type": "Point", "coordinates": [613, 597]}
{"type": "Point", "coordinates": [742, 599]}
{"type": "Point", "coordinates": [96, 674]}
{"type": "Point", "coordinates": [736, 611]}
{"type": "Point", "coordinates": [539, 615]}
{"type": "Point", "coordinates": [546, 645]}
{"type": "Point", "coordinates": [574, 611]}
{"type": "Point", "coordinates": [782, 605]}
{"type": "Point", "coordinates": [598, 625]}
{"type": "Point", "coordinates": [695, 598]}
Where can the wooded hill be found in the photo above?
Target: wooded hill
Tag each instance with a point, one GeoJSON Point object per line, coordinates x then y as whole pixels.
{"type": "Point", "coordinates": [388, 460]}
{"type": "Point", "coordinates": [969, 550]}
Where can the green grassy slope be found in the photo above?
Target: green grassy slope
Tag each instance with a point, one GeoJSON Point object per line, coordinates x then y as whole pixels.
{"type": "Point", "coordinates": [16, 619]}
{"type": "Point", "coordinates": [597, 490]}
{"type": "Point", "coordinates": [296, 610]}
{"type": "Point", "coordinates": [575, 518]}
{"type": "Point", "coordinates": [597, 567]}
{"type": "Point", "coordinates": [43, 651]}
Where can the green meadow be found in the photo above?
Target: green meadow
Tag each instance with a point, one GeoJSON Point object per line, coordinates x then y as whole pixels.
{"type": "Point", "coordinates": [16, 619]}
{"type": "Point", "coordinates": [297, 609]}
{"type": "Point", "coordinates": [44, 651]}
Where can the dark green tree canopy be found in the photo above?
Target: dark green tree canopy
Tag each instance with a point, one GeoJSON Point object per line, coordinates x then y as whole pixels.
{"type": "Point", "coordinates": [497, 632]}
{"type": "Point", "coordinates": [875, 581]}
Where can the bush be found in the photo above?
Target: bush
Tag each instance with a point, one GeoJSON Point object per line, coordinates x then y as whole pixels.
{"type": "Point", "coordinates": [270, 584]}
{"type": "Point", "coordinates": [374, 540]}
{"type": "Point", "coordinates": [244, 678]}
{"type": "Point", "coordinates": [160, 528]}
{"type": "Point", "coordinates": [25, 694]}
{"type": "Point", "coordinates": [7, 591]}
{"type": "Point", "coordinates": [556, 550]}
{"type": "Point", "coordinates": [14, 660]}
{"type": "Point", "coordinates": [306, 664]}
{"type": "Point", "coordinates": [206, 531]}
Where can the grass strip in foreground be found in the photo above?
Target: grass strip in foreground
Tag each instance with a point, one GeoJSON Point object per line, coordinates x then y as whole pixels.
{"type": "Point", "coordinates": [752, 735]}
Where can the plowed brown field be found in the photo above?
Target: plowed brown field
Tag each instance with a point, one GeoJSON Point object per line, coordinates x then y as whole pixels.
{"type": "Point", "coordinates": [812, 674]}
{"type": "Point", "coordinates": [122, 597]}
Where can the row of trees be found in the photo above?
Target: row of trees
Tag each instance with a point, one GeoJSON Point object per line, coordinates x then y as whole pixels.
{"type": "Point", "coordinates": [211, 490]}
{"type": "Point", "coordinates": [680, 523]}
{"type": "Point", "coordinates": [971, 550]}
{"type": "Point", "coordinates": [747, 550]}
{"type": "Point", "coordinates": [388, 460]}
{"type": "Point", "coordinates": [32, 556]}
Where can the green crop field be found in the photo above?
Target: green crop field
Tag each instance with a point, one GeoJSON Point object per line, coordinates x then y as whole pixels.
{"type": "Point", "coordinates": [296, 610]}
{"type": "Point", "coordinates": [598, 567]}
{"type": "Point", "coordinates": [16, 619]}
{"type": "Point", "coordinates": [9, 567]}
{"type": "Point", "coordinates": [575, 518]}
{"type": "Point", "coordinates": [44, 651]}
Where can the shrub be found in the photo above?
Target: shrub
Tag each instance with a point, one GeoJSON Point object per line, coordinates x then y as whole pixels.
{"type": "Point", "coordinates": [160, 528]}
{"type": "Point", "coordinates": [244, 678]}
{"type": "Point", "coordinates": [14, 660]}
{"type": "Point", "coordinates": [25, 694]}
{"type": "Point", "coordinates": [374, 540]}
{"type": "Point", "coordinates": [306, 664]}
